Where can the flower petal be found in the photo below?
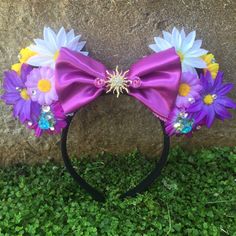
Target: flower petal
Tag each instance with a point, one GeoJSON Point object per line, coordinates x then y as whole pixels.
{"type": "Point", "coordinates": [10, 98]}
{"type": "Point", "coordinates": [226, 102]}
{"type": "Point", "coordinates": [176, 38]}
{"type": "Point", "coordinates": [224, 89]}
{"type": "Point", "coordinates": [222, 112]}
{"type": "Point", "coordinates": [195, 52]}
{"type": "Point", "coordinates": [182, 34]}
{"type": "Point", "coordinates": [167, 36]}
{"type": "Point", "coordinates": [197, 44]}
{"type": "Point", "coordinates": [84, 53]}
{"type": "Point", "coordinates": [154, 47]}
{"type": "Point", "coordinates": [195, 62]}
{"type": "Point", "coordinates": [195, 107]}
{"type": "Point", "coordinates": [25, 70]}
{"type": "Point", "coordinates": [187, 68]}
{"type": "Point", "coordinates": [40, 61]}
{"type": "Point", "coordinates": [74, 40]}
{"type": "Point", "coordinates": [210, 116]}
{"type": "Point", "coordinates": [11, 81]}
{"type": "Point", "coordinates": [40, 49]}
{"type": "Point", "coordinates": [50, 38]}
{"type": "Point", "coordinates": [218, 80]}
{"type": "Point", "coordinates": [200, 115]}
{"type": "Point", "coordinates": [61, 38]}
{"type": "Point", "coordinates": [80, 46]}
{"type": "Point", "coordinates": [162, 43]}
{"type": "Point", "coordinates": [70, 35]}
{"type": "Point", "coordinates": [188, 41]}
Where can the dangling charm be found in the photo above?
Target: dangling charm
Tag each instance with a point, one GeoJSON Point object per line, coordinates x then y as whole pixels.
{"type": "Point", "coordinates": [117, 82]}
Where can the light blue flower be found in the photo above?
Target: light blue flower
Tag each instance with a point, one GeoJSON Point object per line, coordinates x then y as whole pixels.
{"type": "Point", "coordinates": [188, 49]}
{"type": "Point", "coordinates": [48, 48]}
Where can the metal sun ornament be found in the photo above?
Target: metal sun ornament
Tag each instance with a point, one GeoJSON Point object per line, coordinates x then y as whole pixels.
{"type": "Point", "coordinates": [117, 82]}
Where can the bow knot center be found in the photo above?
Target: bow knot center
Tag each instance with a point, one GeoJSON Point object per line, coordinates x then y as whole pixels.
{"type": "Point", "coordinates": [117, 82]}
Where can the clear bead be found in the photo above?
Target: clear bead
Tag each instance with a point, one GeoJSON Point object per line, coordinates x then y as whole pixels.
{"type": "Point", "coordinates": [177, 125]}
{"type": "Point", "coordinates": [191, 100]}
{"type": "Point", "coordinates": [45, 108]}
{"type": "Point", "coordinates": [33, 92]}
{"type": "Point", "coordinates": [183, 114]}
{"type": "Point", "coordinates": [214, 96]}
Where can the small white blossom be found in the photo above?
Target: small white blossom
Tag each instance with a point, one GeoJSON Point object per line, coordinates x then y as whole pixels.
{"type": "Point", "coordinates": [188, 49]}
{"type": "Point", "coordinates": [48, 48]}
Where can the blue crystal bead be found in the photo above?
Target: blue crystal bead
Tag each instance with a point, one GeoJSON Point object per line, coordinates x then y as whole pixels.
{"type": "Point", "coordinates": [187, 129]}
{"type": "Point", "coordinates": [184, 125]}
{"type": "Point", "coordinates": [187, 126]}
{"type": "Point", "coordinates": [46, 121]}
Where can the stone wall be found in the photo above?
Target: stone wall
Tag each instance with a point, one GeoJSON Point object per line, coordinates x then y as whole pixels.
{"type": "Point", "coordinates": [117, 33]}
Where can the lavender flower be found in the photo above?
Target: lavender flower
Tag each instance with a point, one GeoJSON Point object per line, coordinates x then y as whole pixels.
{"type": "Point", "coordinates": [189, 89]}
{"type": "Point", "coordinates": [41, 85]}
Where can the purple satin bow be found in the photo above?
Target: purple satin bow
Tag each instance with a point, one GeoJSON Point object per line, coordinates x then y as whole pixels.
{"type": "Point", "coordinates": [153, 80]}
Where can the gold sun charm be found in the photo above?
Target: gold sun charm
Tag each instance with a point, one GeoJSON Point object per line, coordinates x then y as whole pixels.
{"type": "Point", "coordinates": [117, 82]}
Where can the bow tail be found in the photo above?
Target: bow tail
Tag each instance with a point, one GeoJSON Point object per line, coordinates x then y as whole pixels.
{"type": "Point", "coordinates": [154, 100]}
{"type": "Point", "coordinates": [159, 76]}
{"type": "Point", "coordinates": [75, 79]}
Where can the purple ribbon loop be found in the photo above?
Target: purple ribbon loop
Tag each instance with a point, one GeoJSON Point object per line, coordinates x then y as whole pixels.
{"type": "Point", "coordinates": [154, 80]}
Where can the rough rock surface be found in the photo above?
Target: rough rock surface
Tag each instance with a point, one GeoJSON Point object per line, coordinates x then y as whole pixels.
{"type": "Point", "coordinates": [117, 33]}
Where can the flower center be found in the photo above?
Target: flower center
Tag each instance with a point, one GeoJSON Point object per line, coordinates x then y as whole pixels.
{"type": "Point", "coordinates": [181, 55]}
{"type": "Point", "coordinates": [44, 85]}
{"type": "Point", "coordinates": [24, 94]}
{"type": "Point", "coordinates": [209, 99]}
{"type": "Point", "coordinates": [184, 89]}
{"type": "Point", "coordinates": [56, 55]}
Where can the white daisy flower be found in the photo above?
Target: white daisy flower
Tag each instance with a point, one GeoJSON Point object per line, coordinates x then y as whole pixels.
{"type": "Point", "coordinates": [186, 47]}
{"type": "Point", "coordinates": [47, 49]}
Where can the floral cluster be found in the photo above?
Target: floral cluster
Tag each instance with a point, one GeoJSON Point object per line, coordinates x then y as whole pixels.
{"type": "Point", "coordinates": [30, 85]}
{"type": "Point", "coordinates": [202, 95]}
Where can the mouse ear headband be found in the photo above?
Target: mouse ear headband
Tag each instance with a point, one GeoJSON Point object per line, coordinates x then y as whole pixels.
{"type": "Point", "coordinates": [180, 83]}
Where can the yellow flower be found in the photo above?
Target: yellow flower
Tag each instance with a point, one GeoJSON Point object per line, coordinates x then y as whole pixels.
{"type": "Point", "coordinates": [16, 67]}
{"type": "Point", "coordinates": [24, 55]}
{"type": "Point", "coordinates": [212, 66]}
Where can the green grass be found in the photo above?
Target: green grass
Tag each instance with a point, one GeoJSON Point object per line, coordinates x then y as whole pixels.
{"type": "Point", "coordinates": [196, 195]}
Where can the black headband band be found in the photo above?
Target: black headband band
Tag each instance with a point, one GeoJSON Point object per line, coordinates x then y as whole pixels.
{"type": "Point", "coordinates": [98, 196]}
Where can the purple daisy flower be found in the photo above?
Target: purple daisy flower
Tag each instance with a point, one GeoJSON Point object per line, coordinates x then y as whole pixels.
{"type": "Point", "coordinates": [213, 102]}
{"type": "Point", "coordinates": [41, 86]}
{"type": "Point", "coordinates": [179, 123]}
{"type": "Point", "coordinates": [15, 94]}
{"type": "Point", "coordinates": [51, 120]}
{"type": "Point", "coordinates": [189, 89]}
